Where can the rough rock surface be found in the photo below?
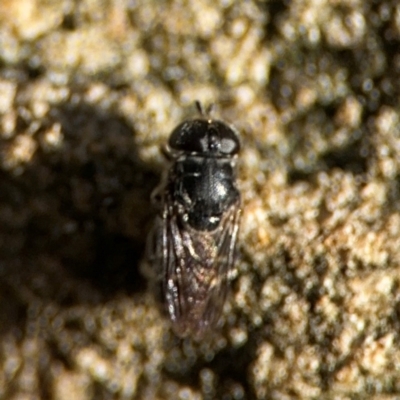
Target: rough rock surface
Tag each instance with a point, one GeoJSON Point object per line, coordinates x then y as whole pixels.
{"type": "Point", "coordinates": [90, 89]}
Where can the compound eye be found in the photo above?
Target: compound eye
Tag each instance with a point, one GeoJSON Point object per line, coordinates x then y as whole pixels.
{"type": "Point", "coordinates": [189, 136]}
{"type": "Point", "coordinates": [229, 146]}
{"type": "Point", "coordinates": [229, 143]}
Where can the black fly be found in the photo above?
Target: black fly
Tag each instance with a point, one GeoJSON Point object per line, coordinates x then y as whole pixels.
{"type": "Point", "coordinates": [192, 246]}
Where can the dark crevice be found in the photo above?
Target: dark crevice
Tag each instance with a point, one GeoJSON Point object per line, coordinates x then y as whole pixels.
{"type": "Point", "coordinates": [69, 22]}
{"type": "Point", "coordinates": [354, 158]}
{"type": "Point", "coordinates": [275, 10]}
{"type": "Point", "coordinates": [229, 365]}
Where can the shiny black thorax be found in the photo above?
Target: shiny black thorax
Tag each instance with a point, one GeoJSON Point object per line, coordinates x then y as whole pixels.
{"type": "Point", "coordinates": [204, 187]}
{"type": "Point", "coordinates": [202, 178]}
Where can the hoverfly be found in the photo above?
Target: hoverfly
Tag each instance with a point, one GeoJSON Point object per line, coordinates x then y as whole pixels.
{"type": "Point", "coordinates": [192, 245]}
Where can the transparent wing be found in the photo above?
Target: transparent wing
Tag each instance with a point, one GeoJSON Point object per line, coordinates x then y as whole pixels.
{"type": "Point", "coordinates": [196, 266]}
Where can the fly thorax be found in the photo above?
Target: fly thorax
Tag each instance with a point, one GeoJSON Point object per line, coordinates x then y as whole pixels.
{"type": "Point", "coordinates": [205, 189]}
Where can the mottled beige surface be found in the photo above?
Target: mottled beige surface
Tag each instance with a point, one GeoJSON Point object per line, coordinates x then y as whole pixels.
{"type": "Point", "coordinates": [90, 89]}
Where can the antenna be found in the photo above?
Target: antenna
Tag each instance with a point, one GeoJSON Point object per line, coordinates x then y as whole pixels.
{"type": "Point", "coordinates": [205, 112]}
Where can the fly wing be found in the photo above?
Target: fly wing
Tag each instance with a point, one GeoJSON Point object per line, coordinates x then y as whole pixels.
{"type": "Point", "coordinates": [196, 265]}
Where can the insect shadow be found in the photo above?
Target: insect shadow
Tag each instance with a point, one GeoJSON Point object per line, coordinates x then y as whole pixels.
{"type": "Point", "coordinates": [74, 219]}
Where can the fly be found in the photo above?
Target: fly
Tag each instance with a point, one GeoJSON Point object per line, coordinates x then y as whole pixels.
{"type": "Point", "coordinates": [192, 245]}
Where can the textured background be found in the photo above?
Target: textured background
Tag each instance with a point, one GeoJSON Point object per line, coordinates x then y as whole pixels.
{"type": "Point", "coordinates": [90, 89]}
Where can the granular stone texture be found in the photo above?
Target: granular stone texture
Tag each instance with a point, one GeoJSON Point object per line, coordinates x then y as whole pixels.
{"type": "Point", "coordinates": [89, 92]}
